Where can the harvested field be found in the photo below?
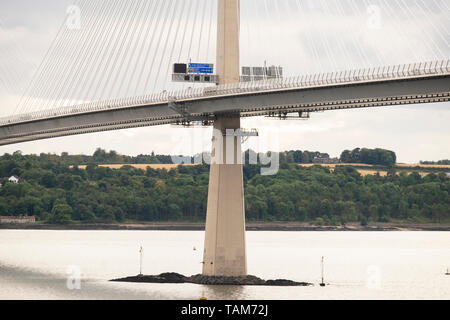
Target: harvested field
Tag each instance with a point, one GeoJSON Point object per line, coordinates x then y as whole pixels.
{"type": "Point", "coordinates": [139, 166]}
{"type": "Point", "coordinates": [363, 172]}
{"type": "Point", "coordinates": [425, 166]}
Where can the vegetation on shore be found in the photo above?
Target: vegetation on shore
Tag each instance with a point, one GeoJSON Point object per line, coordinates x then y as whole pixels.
{"type": "Point", "coordinates": [55, 190]}
{"type": "Point", "coordinates": [440, 162]}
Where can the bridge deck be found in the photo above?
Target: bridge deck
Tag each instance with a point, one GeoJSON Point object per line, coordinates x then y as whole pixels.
{"type": "Point", "coordinates": [247, 99]}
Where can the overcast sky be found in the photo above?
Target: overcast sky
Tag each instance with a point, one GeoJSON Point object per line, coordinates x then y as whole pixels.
{"type": "Point", "coordinates": [300, 35]}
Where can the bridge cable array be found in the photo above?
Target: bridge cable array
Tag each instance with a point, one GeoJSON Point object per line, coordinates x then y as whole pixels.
{"type": "Point", "coordinates": [124, 50]}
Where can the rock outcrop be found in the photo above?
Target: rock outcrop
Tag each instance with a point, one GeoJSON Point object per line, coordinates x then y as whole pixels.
{"type": "Point", "coordinates": [171, 277]}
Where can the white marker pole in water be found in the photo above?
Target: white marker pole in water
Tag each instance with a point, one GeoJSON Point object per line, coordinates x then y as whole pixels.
{"type": "Point", "coordinates": [322, 284]}
{"type": "Point", "coordinates": [141, 251]}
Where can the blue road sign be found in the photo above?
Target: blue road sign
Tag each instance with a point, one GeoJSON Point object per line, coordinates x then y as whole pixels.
{"type": "Point", "coordinates": [201, 65]}
{"type": "Point", "coordinates": [201, 70]}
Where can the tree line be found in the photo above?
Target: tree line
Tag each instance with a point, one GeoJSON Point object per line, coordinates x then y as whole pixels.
{"type": "Point", "coordinates": [56, 191]}
{"type": "Point", "coordinates": [369, 156]}
{"type": "Point", "coordinates": [440, 162]}
{"type": "Point", "coordinates": [366, 156]}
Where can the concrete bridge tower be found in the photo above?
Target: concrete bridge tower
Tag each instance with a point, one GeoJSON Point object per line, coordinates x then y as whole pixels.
{"type": "Point", "coordinates": [225, 249]}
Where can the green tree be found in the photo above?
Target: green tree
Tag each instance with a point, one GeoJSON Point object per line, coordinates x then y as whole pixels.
{"type": "Point", "coordinates": [48, 180]}
{"type": "Point", "coordinates": [61, 214]}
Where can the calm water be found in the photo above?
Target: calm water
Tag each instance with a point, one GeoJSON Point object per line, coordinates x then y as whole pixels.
{"type": "Point", "coordinates": [358, 265]}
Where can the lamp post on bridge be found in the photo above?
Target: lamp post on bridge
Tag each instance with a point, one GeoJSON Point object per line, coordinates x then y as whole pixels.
{"type": "Point", "coordinates": [225, 248]}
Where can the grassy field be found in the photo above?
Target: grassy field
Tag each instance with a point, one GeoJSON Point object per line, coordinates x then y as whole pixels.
{"type": "Point", "coordinates": [363, 169]}
{"type": "Point", "coordinates": [139, 166]}
{"type": "Point", "coordinates": [399, 165]}
{"type": "Point", "coordinates": [367, 169]}
{"type": "Point", "coordinates": [425, 166]}
{"type": "Point", "coordinates": [384, 173]}
{"type": "Point", "coordinates": [333, 165]}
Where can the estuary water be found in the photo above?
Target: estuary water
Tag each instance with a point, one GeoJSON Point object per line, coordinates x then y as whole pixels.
{"type": "Point", "coordinates": [41, 264]}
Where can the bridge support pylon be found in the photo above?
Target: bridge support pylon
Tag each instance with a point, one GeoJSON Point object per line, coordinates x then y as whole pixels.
{"type": "Point", "coordinates": [225, 248]}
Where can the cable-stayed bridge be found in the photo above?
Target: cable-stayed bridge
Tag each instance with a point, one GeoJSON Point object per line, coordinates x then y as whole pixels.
{"type": "Point", "coordinates": [109, 66]}
{"type": "Point", "coordinates": [104, 76]}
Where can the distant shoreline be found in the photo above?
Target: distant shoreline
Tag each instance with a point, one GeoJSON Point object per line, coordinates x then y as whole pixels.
{"type": "Point", "coordinates": [251, 226]}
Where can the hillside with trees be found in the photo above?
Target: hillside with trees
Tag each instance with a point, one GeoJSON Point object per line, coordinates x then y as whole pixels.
{"type": "Point", "coordinates": [56, 190]}
{"type": "Point", "coordinates": [366, 156]}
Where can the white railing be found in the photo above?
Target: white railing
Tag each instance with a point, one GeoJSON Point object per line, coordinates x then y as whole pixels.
{"type": "Point", "coordinates": [397, 72]}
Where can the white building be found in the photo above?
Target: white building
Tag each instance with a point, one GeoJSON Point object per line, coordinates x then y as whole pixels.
{"type": "Point", "coordinates": [14, 179]}
{"type": "Point", "coordinates": [17, 219]}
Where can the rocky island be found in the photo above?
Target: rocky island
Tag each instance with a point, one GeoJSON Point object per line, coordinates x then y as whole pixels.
{"type": "Point", "coordinates": [171, 277]}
